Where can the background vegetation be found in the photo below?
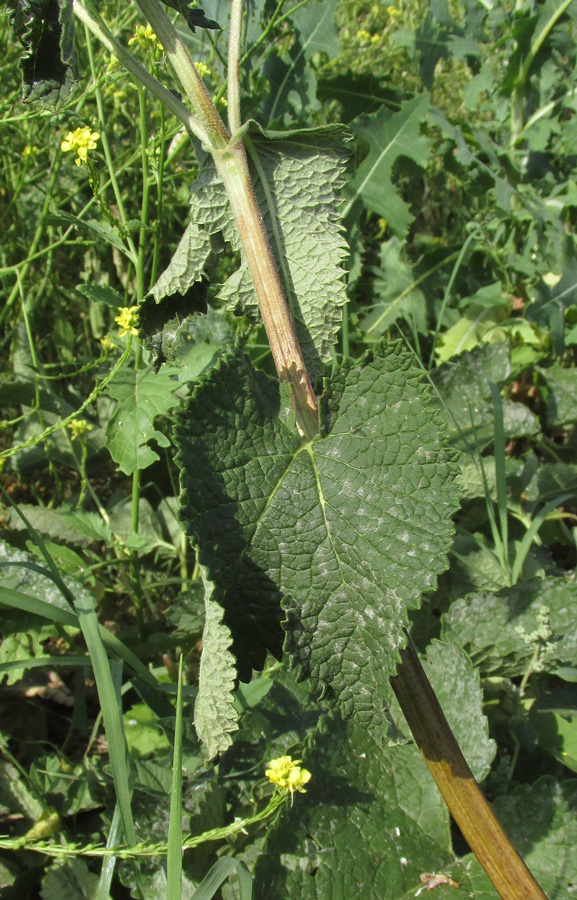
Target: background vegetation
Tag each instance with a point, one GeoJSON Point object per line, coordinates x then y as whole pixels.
{"type": "Point", "coordinates": [459, 209]}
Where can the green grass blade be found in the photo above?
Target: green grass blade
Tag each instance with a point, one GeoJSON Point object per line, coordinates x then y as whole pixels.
{"type": "Point", "coordinates": [174, 852]}
{"type": "Point", "coordinates": [222, 870]}
{"type": "Point", "coordinates": [109, 862]}
{"type": "Point", "coordinates": [53, 568]}
{"type": "Point", "coordinates": [45, 662]}
{"type": "Point", "coordinates": [448, 291]}
{"type": "Point", "coordinates": [529, 536]}
{"type": "Point", "coordinates": [111, 713]}
{"type": "Point", "coordinates": [37, 607]}
{"type": "Point", "coordinates": [500, 474]}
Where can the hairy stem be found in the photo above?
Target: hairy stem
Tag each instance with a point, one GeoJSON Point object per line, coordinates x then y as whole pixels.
{"type": "Point", "coordinates": [231, 163]}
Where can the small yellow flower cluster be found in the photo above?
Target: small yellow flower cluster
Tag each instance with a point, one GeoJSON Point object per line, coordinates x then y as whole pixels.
{"type": "Point", "coordinates": [202, 69]}
{"type": "Point", "coordinates": [393, 12]}
{"type": "Point", "coordinates": [81, 140]}
{"type": "Point", "coordinates": [287, 774]}
{"type": "Point", "coordinates": [107, 343]}
{"type": "Point", "coordinates": [127, 320]}
{"type": "Point", "coordinates": [144, 37]}
{"type": "Point", "coordinates": [30, 150]}
{"type": "Point", "coordinates": [79, 427]}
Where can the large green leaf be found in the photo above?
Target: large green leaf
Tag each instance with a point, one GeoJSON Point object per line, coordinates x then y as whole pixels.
{"type": "Point", "coordinates": [370, 824]}
{"type": "Point", "coordinates": [488, 625]}
{"type": "Point", "coordinates": [389, 137]}
{"type": "Point", "coordinates": [347, 529]}
{"type": "Point", "coordinates": [540, 818]}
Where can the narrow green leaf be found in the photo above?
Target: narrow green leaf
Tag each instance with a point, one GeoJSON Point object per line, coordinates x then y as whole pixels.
{"type": "Point", "coordinates": [222, 870]}
{"type": "Point", "coordinates": [174, 851]}
{"type": "Point", "coordinates": [111, 713]}
{"type": "Point", "coordinates": [46, 662]}
{"type": "Point", "coordinates": [531, 533]}
{"type": "Point", "coordinates": [109, 862]}
{"type": "Point", "coordinates": [37, 607]}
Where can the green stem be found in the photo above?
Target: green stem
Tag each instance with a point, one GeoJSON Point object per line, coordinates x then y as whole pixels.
{"type": "Point", "coordinates": [234, 119]}
{"type": "Point", "coordinates": [104, 35]}
{"type": "Point", "coordinates": [159, 198]}
{"type": "Point", "coordinates": [37, 439]}
{"type": "Point", "coordinates": [38, 234]}
{"type": "Point", "coordinates": [140, 287]}
{"type": "Point", "coordinates": [205, 112]}
{"type": "Point", "coordinates": [106, 147]}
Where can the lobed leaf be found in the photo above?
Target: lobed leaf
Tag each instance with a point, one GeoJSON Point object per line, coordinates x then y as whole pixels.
{"type": "Point", "coordinates": [141, 396]}
{"type": "Point", "coordinates": [389, 137]}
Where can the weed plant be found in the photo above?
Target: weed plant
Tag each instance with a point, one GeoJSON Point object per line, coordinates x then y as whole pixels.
{"type": "Point", "coordinates": [145, 688]}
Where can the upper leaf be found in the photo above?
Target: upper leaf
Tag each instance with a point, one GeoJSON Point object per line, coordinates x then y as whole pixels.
{"type": "Point", "coordinates": [297, 177]}
{"type": "Point", "coordinates": [46, 31]}
{"type": "Point", "coordinates": [292, 80]}
{"type": "Point", "coordinates": [347, 529]}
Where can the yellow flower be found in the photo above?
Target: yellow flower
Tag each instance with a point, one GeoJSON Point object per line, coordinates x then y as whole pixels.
{"type": "Point", "coordinates": [81, 140]}
{"type": "Point", "coordinates": [287, 774]}
{"type": "Point", "coordinates": [30, 150]}
{"type": "Point", "coordinates": [202, 69]}
{"type": "Point", "coordinates": [127, 320]}
{"type": "Point", "coordinates": [363, 35]}
{"type": "Point", "coordinates": [144, 37]}
{"type": "Point", "coordinates": [107, 343]}
{"type": "Point", "coordinates": [393, 11]}
{"type": "Point", "coordinates": [79, 427]}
